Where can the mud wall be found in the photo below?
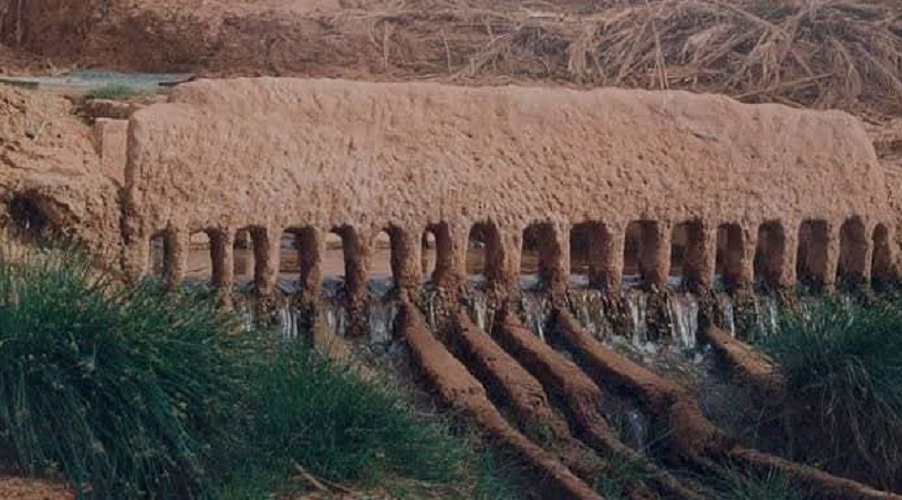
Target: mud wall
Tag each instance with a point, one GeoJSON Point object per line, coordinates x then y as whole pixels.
{"type": "Point", "coordinates": [400, 153]}
{"type": "Point", "coordinates": [283, 154]}
{"type": "Point", "coordinates": [50, 28]}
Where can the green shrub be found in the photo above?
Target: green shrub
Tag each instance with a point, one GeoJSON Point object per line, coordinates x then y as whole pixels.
{"type": "Point", "coordinates": [120, 389]}
{"type": "Point", "coordinates": [843, 367]}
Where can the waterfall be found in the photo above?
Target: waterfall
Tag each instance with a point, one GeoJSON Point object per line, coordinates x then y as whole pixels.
{"type": "Point", "coordinates": [588, 308]}
{"type": "Point", "coordinates": [336, 316]}
{"type": "Point", "coordinates": [288, 322]}
{"type": "Point", "coordinates": [535, 307]}
{"type": "Point", "coordinates": [727, 313]}
{"type": "Point", "coordinates": [381, 317]}
{"type": "Point", "coordinates": [683, 312]}
{"type": "Point", "coordinates": [478, 304]}
{"type": "Point", "coordinates": [638, 425]}
{"type": "Point", "coordinates": [637, 303]}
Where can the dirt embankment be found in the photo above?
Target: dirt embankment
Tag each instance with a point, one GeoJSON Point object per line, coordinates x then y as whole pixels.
{"type": "Point", "coordinates": [50, 172]}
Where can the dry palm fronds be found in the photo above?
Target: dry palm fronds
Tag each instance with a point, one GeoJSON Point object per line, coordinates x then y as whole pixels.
{"type": "Point", "coordinates": [821, 53]}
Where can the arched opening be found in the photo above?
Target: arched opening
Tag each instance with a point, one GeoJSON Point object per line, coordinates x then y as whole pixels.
{"type": "Point", "coordinates": [160, 252]}
{"type": "Point", "coordinates": [882, 260]}
{"type": "Point", "coordinates": [428, 254]}
{"type": "Point", "coordinates": [334, 262]}
{"type": "Point", "coordinates": [243, 260]}
{"type": "Point", "coordinates": [687, 251]}
{"type": "Point", "coordinates": [641, 249]}
{"type": "Point", "coordinates": [200, 258]}
{"type": "Point", "coordinates": [814, 241]}
{"type": "Point", "coordinates": [728, 262]}
{"type": "Point", "coordinates": [853, 252]}
{"type": "Point", "coordinates": [541, 252]}
{"type": "Point", "coordinates": [263, 258]}
{"type": "Point", "coordinates": [437, 259]}
{"type": "Point", "coordinates": [586, 242]}
{"type": "Point", "coordinates": [290, 253]}
{"type": "Point", "coordinates": [770, 253]}
{"type": "Point", "coordinates": [381, 258]}
{"type": "Point", "coordinates": [530, 255]}
{"type": "Point", "coordinates": [29, 215]}
{"type": "Point", "coordinates": [484, 251]}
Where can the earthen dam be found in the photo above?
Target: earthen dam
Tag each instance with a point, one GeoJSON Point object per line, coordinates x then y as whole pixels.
{"type": "Point", "coordinates": [582, 190]}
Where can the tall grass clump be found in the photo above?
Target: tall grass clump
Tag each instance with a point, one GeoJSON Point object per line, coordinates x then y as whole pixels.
{"type": "Point", "coordinates": [307, 410]}
{"type": "Point", "coordinates": [119, 389]}
{"type": "Point", "coordinates": [134, 391]}
{"type": "Point", "coordinates": [742, 483]}
{"type": "Point", "coordinates": [843, 364]}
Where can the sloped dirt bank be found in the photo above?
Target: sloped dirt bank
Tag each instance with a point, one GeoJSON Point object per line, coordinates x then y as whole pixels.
{"type": "Point", "coordinates": [51, 176]}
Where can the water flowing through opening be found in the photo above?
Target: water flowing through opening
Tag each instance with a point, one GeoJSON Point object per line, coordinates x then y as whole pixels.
{"type": "Point", "coordinates": [812, 260]}
{"type": "Point", "coordinates": [159, 249]}
{"type": "Point", "coordinates": [199, 269]}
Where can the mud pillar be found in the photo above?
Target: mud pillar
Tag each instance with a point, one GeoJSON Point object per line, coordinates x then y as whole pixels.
{"type": "Point", "coordinates": [358, 247]}
{"type": "Point", "coordinates": [610, 279]}
{"type": "Point", "coordinates": [611, 276]}
{"type": "Point", "coordinates": [267, 248]}
{"type": "Point", "coordinates": [745, 279]}
{"type": "Point", "coordinates": [868, 257]}
{"type": "Point", "coordinates": [311, 250]}
{"type": "Point", "coordinates": [704, 262]}
{"type": "Point", "coordinates": [655, 254]}
{"type": "Point", "coordinates": [831, 253]}
{"type": "Point", "coordinates": [406, 257]}
{"type": "Point", "coordinates": [882, 268]}
{"type": "Point", "coordinates": [177, 244]}
{"type": "Point", "coordinates": [452, 244]}
{"type": "Point", "coordinates": [503, 264]}
{"type": "Point", "coordinates": [787, 276]}
{"type": "Point", "coordinates": [698, 272]}
{"type": "Point", "coordinates": [222, 253]}
{"type": "Point", "coordinates": [703, 267]}
{"type": "Point", "coordinates": [554, 262]}
{"type": "Point", "coordinates": [136, 258]}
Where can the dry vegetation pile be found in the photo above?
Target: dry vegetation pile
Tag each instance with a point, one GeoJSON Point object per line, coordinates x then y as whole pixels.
{"type": "Point", "coordinates": [817, 53]}
{"type": "Point", "coordinates": [813, 53]}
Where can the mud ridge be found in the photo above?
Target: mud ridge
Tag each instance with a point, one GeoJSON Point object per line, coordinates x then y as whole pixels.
{"type": "Point", "coordinates": [460, 390]}
{"type": "Point", "coordinates": [580, 394]}
{"type": "Point", "coordinates": [751, 367]}
{"type": "Point", "coordinates": [525, 398]}
{"type": "Point", "coordinates": [692, 434]}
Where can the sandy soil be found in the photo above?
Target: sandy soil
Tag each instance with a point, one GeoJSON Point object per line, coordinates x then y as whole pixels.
{"type": "Point", "coordinates": [12, 488]}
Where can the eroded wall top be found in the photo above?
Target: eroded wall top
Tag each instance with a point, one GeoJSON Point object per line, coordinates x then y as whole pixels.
{"type": "Point", "coordinates": [328, 152]}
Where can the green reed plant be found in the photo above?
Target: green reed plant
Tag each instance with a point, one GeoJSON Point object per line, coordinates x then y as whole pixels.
{"type": "Point", "coordinates": [842, 363]}
{"type": "Point", "coordinates": [742, 483]}
{"type": "Point", "coordinates": [306, 409]}
{"type": "Point", "coordinates": [139, 392]}
{"type": "Point", "coordinates": [118, 388]}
